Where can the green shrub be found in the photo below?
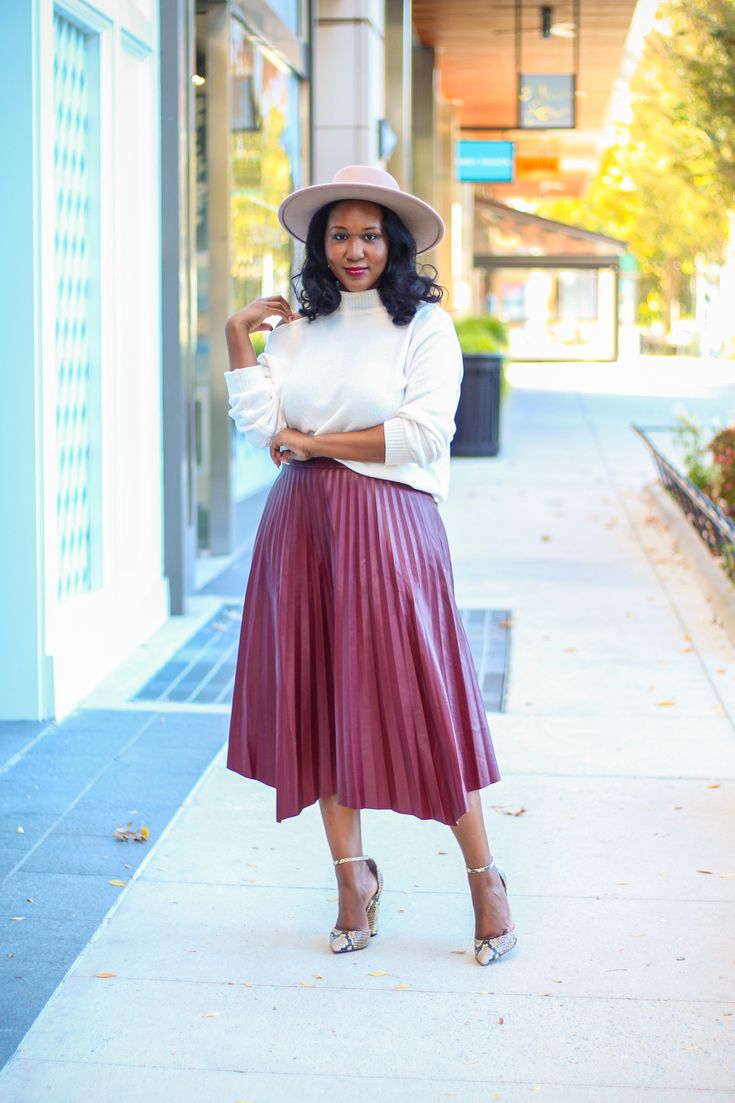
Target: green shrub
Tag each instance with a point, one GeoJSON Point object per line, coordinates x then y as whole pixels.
{"type": "Point", "coordinates": [484, 334]}
{"type": "Point", "coordinates": [481, 333]}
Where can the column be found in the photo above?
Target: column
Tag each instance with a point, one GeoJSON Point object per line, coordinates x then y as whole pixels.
{"type": "Point", "coordinates": [398, 82]}
{"type": "Point", "coordinates": [349, 84]}
{"type": "Point", "coordinates": [177, 299]}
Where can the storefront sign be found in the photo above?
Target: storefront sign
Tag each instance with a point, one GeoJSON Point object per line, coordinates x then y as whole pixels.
{"type": "Point", "coordinates": [546, 102]}
{"type": "Point", "coordinates": [484, 162]}
{"type": "Point", "coordinates": [528, 166]}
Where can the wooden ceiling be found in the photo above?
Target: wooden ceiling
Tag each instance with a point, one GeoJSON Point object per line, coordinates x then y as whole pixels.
{"type": "Point", "coordinates": [477, 58]}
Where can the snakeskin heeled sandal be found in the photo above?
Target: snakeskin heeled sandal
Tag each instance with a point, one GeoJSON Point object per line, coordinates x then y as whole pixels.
{"type": "Point", "coordinates": [343, 942]}
{"type": "Point", "coordinates": [490, 949]}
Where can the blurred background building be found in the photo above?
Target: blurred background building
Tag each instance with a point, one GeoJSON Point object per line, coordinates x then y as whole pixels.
{"type": "Point", "coordinates": [148, 147]}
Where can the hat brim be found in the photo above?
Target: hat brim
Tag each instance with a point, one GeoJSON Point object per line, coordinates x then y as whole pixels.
{"type": "Point", "coordinates": [297, 209]}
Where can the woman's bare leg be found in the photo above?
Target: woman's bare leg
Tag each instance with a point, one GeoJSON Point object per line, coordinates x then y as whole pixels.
{"type": "Point", "coordinates": [492, 913]}
{"type": "Point", "coordinates": [355, 882]}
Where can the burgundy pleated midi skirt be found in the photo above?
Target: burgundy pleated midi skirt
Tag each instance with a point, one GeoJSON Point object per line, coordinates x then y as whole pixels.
{"type": "Point", "coordinates": [354, 673]}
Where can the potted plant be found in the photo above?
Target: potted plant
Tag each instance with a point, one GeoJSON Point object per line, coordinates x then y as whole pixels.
{"type": "Point", "coordinates": [483, 341]}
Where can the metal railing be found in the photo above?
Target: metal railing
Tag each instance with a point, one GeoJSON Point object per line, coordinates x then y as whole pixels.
{"type": "Point", "coordinates": [709, 522]}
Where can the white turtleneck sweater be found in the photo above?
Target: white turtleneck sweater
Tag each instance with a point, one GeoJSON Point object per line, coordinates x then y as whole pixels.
{"type": "Point", "coordinates": [354, 369]}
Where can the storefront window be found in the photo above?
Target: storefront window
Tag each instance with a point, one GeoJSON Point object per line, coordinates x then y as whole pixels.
{"type": "Point", "coordinates": [555, 313]}
{"type": "Point", "coordinates": [265, 144]}
{"type": "Point", "coordinates": [250, 139]}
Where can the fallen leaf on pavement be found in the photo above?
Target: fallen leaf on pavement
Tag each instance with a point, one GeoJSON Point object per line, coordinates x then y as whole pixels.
{"type": "Point", "coordinates": [211, 1014]}
{"type": "Point", "coordinates": [501, 808]}
{"type": "Point", "coordinates": [704, 871]}
{"type": "Point", "coordinates": [402, 985]}
{"type": "Point", "coordinates": [378, 973]}
{"type": "Point", "coordinates": [122, 834]}
{"type": "Point", "coordinates": [118, 884]}
{"type": "Point", "coordinates": [664, 704]}
{"type": "Point", "coordinates": [103, 975]}
{"type": "Point", "coordinates": [716, 785]}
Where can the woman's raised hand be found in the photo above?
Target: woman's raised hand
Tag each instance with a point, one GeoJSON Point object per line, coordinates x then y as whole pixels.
{"type": "Point", "coordinates": [251, 319]}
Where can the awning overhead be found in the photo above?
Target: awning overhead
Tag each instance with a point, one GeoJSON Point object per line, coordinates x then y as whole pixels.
{"type": "Point", "coordinates": [479, 52]}
{"type": "Point", "coordinates": [505, 235]}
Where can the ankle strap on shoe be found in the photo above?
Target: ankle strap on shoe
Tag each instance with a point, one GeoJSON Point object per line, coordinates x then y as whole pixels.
{"type": "Point", "coordinates": [357, 858]}
{"type": "Point", "coordinates": [481, 869]}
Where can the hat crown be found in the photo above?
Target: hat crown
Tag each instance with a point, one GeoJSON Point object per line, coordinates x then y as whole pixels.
{"type": "Point", "coordinates": [365, 174]}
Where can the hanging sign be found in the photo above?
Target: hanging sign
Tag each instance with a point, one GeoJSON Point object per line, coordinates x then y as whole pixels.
{"type": "Point", "coordinates": [546, 101]}
{"type": "Point", "coordinates": [482, 162]}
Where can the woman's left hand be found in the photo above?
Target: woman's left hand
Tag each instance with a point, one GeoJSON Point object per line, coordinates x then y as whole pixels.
{"type": "Point", "coordinates": [297, 446]}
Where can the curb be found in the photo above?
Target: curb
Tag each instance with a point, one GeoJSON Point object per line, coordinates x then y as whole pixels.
{"type": "Point", "coordinates": [715, 585]}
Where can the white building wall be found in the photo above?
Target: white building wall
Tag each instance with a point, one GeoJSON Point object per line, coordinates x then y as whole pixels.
{"type": "Point", "coordinates": [80, 627]}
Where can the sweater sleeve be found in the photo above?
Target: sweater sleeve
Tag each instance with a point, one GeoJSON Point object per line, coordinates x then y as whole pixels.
{"type": "Point", "coordinates": [255, 406]}
{"type": "Point", "coordinates": [424, 424]}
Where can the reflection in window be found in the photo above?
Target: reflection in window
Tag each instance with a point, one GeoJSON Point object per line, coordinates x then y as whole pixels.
{"type": "Point", "coordinates": [265, 148]}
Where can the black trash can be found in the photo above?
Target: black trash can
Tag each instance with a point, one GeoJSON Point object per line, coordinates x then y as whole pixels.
{"type": "Point", "coordinates": [478, 413]}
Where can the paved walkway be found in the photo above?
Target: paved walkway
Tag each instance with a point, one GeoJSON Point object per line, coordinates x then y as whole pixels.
{"type": "Point", "coordinates": [614, 822]}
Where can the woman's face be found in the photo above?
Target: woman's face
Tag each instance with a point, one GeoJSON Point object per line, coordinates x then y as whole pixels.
{"type": "Point", "coordinates": [356, 248]}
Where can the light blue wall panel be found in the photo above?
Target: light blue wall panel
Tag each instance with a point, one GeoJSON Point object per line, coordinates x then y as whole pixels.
{"type": "Point", "coordinates": [76, 362]}
{"type": "Point", "coordinates": [25, 674]}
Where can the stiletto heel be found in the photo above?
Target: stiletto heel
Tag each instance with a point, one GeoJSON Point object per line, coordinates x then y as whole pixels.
{"type": "Point", "coordinates": [490, 949]}
{"type": "Point", "coordinates": [343, 942]}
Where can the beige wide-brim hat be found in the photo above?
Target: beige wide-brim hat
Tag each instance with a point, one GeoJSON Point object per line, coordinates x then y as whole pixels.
{"type": "Point", "coordinates": [362, 182]}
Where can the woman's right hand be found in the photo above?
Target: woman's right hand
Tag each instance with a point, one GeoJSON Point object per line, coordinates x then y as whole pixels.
{"type": "Point", "coordinates": [251, 319]}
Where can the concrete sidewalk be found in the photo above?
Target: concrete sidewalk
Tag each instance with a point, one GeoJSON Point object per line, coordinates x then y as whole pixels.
{"type": "Point", "coordinates": [613, 821]}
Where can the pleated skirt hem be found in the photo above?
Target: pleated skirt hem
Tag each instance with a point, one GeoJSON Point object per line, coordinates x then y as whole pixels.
{"type": "Point", "coordinates": [361, 804]}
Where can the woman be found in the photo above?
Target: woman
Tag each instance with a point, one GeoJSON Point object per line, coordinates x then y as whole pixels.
{"type": "Point", "coordinates": [355, 685]}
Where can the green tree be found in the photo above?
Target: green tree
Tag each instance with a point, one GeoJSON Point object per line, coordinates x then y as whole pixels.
{"type": "Point", "coordinates": [663, 187]}
{"type": "Point", "coordinates": [699, 53]}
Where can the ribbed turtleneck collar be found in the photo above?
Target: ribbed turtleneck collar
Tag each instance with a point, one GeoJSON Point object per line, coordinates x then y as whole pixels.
{"type": "Point", "coordinates": [357, 302]}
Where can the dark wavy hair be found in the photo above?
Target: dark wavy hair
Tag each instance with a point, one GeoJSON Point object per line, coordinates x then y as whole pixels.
{"type": "Point", "coordinates": [401, 287]}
